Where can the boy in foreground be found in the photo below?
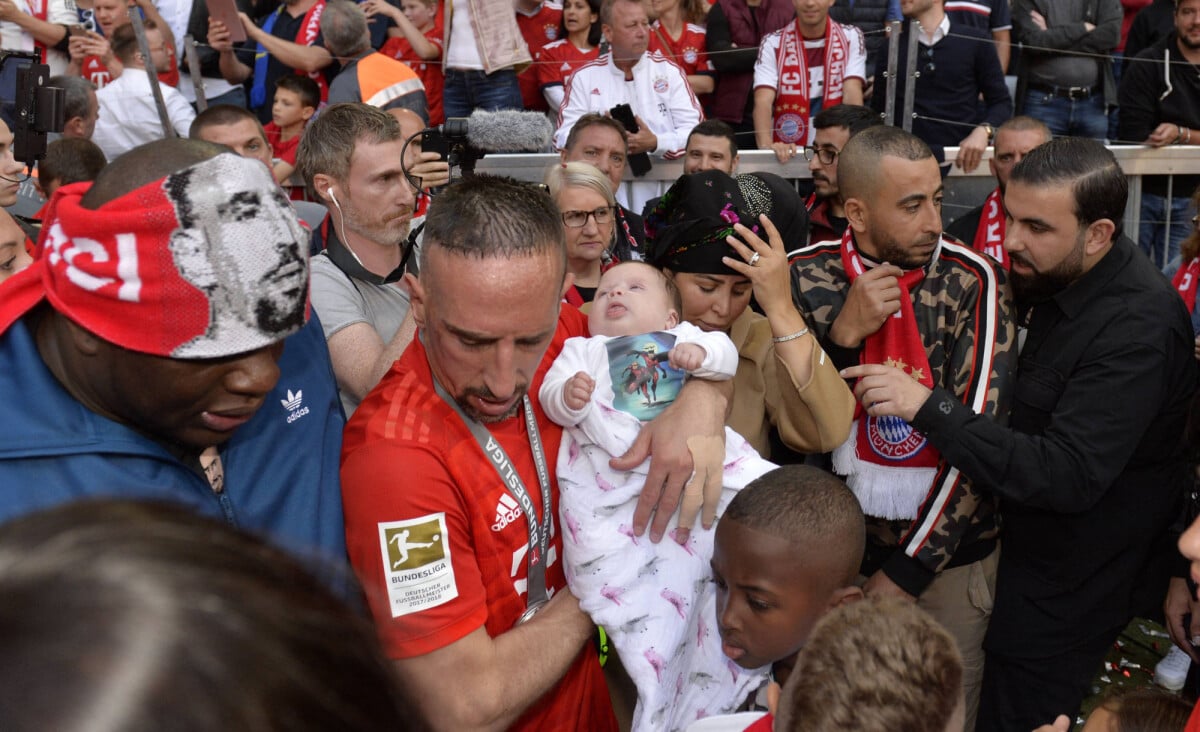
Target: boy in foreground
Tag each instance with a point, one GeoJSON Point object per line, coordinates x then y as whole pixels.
{"type": "Point", "coordinates": [787, 551]}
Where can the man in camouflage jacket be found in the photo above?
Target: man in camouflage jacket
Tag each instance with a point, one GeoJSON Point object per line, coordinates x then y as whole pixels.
{"type": "Point", "coordinates": [946, 556]}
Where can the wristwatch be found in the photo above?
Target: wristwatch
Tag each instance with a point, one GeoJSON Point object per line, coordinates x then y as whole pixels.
{"type": "Point", "coordinates": [991, 131]}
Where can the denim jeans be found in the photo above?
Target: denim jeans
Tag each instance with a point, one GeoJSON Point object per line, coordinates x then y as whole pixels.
{"type": "Point", "coordinates": [1152, 229]}
{"type": "Point", "coordinates": [1078, 118]}
{"type": "Point", "coordinates": [467, 90]}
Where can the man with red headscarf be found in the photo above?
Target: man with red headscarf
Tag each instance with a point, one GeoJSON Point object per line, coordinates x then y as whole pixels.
{"type": "Point", "coordinates": [162, 347]}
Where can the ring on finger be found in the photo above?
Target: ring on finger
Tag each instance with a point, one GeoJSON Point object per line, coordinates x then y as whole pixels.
{"type": "Point", "coordinates": [754, 260]}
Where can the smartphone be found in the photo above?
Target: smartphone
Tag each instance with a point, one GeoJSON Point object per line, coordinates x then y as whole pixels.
{"type": "Point", "coordinates": [432, 140]}
{"type": "Point", "coordinates": [226, 11]}
{"type": "Point", "coordinates": [639, 164]}
{"type": "Point", "coordinates": [76, 30]}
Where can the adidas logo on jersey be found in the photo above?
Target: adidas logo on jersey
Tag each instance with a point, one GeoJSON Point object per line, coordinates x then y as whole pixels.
{"type": "Point", "coordinates": [565, 67]}
{"type": "Point", "coordinates": [507, 511]}
{"type": "Point", "coordinates": [293, 404]}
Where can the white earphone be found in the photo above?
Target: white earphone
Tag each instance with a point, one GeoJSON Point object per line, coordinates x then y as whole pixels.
{"type": "Point", "coordinates": [333, 197]}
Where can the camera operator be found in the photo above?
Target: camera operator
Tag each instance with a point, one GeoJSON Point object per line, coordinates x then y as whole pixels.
{"type": "Point", "coordinates": [351, 160]}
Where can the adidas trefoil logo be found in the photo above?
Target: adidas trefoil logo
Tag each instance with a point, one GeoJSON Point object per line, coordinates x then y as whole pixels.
{"type": "Point", "coordinates": [507, 511]}
{"type": "Point", "coordinates": [292, 404]}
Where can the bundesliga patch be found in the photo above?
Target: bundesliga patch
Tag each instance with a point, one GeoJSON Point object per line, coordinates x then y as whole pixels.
{"type": "Point", "coordinates": [416, 564]}
{"type": "Point", "coordinates": [790, 127]}
{"type": "Point", "coordinates": [891, 438]}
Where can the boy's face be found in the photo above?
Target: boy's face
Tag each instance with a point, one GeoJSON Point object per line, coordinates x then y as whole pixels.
{"type": "Point", "coordinates": [418, 13]}
{"type": "Point", "coordinates": [768, 598]}
{"type": "Point", "coordinates": [631, 299]}
{"type": "Point", "coordinates": [288, 109]}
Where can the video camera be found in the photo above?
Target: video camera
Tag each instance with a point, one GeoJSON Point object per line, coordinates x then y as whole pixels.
{"type": "Point", "coordinates": [30, 107]}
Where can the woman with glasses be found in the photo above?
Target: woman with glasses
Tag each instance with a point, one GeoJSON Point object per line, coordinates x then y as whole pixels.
{"type": "Point", "coordinates": [707, 235]}
{"type": "Point", "coordinates": [588, 209]}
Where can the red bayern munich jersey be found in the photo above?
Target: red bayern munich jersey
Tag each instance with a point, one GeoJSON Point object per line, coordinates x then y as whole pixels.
{"type": "Point", "coordinates": [688, 50]}
{"type": "Point", "coordinates": [429, 72]}
{"type": "Point", "coordinates": [558, 60]}
{"type": "Point", "coordinates": [538, 29]}
{"type": "Point", "coordinates": [413, 476]}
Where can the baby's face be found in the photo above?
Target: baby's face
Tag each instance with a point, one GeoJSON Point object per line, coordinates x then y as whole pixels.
{"type": "Point", "coordinates": [630, 300]}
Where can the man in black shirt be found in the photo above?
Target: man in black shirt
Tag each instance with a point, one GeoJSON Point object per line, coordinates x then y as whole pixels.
{"type": "Point", "coordinates": [1090, 470]}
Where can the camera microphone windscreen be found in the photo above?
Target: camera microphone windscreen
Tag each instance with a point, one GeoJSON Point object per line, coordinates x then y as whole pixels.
{"type": "Point", "coordinates": [509, 131]}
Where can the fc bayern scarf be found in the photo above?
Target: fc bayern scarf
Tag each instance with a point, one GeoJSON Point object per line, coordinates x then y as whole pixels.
{"type": "Point", "coordinates": [888, 464]}
{"type": "Point", "coordinates": [989, 235]}
{"type": "Point", "coordinates": [790, 123]}
{"type": "Point", "coordinates": [1185, 282]}
{"type": "Point", "coordinates": [207, 262]}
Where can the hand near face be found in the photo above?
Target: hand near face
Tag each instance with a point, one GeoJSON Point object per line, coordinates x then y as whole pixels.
{"type": "Point", "coordinates": [873, 298]}
{"type": "Point", "coordinates": [886, 391]}
{"type": "Point", "coordinates": [430, 170]}
{"type": "Point", "coordinates": [686, 357]}
{"type": "Point", "coordinates": [577, 392]}
{"type": "Point", "coordinates": [769, 275]}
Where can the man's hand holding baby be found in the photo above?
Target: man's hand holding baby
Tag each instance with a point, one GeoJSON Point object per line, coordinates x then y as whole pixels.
{"type": "Point", "coordinates": [686, 357]}
{"type": "Point", "coordinates": [578, 391]}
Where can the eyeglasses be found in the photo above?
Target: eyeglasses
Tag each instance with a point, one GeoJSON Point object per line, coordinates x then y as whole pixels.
{"type": "Point", "coordinates": [578, 219]}
{"type": "Point", "coordinates": [825, 154]}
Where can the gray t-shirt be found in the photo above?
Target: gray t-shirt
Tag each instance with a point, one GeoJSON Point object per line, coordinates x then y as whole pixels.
{"type": "Point", "coordinates": [341, 300]}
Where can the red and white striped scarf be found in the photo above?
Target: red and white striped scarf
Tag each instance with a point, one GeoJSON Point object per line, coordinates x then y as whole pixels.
{"type": "Point", "coordinates": [888, 464]}
{"type": "Point", "coordinates": [792, 111]}
{"type": "Point", "coordinates": [989, 235]}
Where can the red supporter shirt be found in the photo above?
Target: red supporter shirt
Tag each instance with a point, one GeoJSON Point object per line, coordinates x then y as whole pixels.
{"type": "Point", "coordinates": [95, 71]}
{"type": "Point", "coordinates": [688, 50]}
{"type": "Point", "coordinates": [430, 72]}
{"type": "Point", "coordinates": [537, 30]}
{"type": "Point", "coordinates": [558, 60]}
{"type": "Point", "coordinates": [285, 151]}
{"type": "Point", "coordinates": [436, 539]}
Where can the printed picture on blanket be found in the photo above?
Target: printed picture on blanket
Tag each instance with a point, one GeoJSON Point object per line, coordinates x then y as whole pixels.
{"type": "Point", "coordinates": [643, 383]}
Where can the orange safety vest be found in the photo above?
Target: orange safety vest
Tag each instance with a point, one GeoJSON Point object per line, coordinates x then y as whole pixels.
{"type": "Point", "coordinates": [382, 79]}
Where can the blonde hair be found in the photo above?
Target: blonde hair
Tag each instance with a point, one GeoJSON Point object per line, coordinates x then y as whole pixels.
{"type": "Point", "coordinates": [561, 176]}
{"type": "Point", "coordinates": [878, 665]}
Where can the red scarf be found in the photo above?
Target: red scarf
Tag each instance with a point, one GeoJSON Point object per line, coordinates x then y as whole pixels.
{"type": "Point", "coordinates": [307, 36]}
{"type": "Point", "coordinates": [1185, 282]}
{"type": "Point", "coordinates": [888, 464]}
{"type": "Point", "coordinates": [790, 124]}
{"type": "Point", "coordinates": [989, 235]}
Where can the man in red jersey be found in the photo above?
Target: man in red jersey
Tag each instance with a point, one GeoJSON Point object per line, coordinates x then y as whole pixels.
{"type": "Point", "coordinates": [451, 503]}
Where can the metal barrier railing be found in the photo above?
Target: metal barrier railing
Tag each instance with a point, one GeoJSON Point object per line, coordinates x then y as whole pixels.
{"type": "Point", "coordinates": [961, 188]}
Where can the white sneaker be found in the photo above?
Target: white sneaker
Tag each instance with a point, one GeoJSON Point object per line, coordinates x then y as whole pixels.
{"type": "Point", "coordinates": [1171, 672]}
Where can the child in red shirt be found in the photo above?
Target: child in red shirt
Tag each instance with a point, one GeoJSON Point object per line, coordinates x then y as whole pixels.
{"type": "Point", "coordinates": [417, 41]}
{"type": "Point", "coordinates": [296, 100]}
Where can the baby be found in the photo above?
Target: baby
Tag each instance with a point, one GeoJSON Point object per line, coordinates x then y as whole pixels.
{"type": "Point", "coordinates": [656, 601]}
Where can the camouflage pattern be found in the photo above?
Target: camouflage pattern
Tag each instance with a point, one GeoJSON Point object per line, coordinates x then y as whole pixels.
{"type": "Point", "coordinates": [963, 305]}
